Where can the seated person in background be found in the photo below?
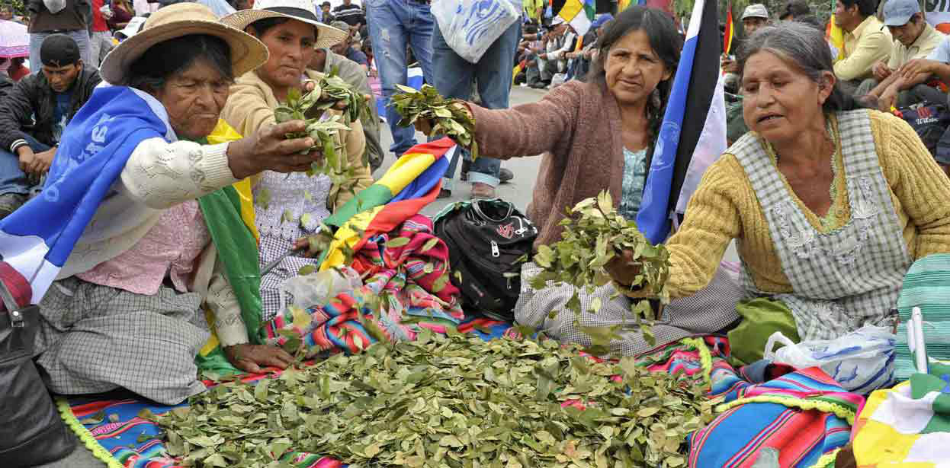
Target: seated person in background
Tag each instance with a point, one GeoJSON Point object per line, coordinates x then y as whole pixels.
{"type": "Point", "coordinates": [914, 38]}
{"type": "Point", "coordinates": [45, 103]}
{"type": "Point", "coordinates": [349, 13]}
{"type": "Point", "coordinates": [795, 9]}
{"type": "Point", "coordinates": [327, 17]}
{"type": "Point", "coordinates": [866, 41]}
{"type": "Point", "coordinates": [326, 59]}
{"type": "Point", "coordinates": [754, 17]}
{"type": "Point", "coordinates": [345, 47]}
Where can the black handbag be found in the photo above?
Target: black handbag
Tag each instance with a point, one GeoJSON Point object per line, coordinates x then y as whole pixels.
{"type": "Point", "coordinates": [486, 238]}
{"type": "Point", "coordinates": [31, 431]}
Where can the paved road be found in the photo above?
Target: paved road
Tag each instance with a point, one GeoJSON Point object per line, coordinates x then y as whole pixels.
{"type": "Point", "coordinates": [519, 190]}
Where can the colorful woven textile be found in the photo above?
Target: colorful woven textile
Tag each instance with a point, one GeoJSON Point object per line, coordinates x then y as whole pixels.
{"type": "Point", "coordinates": [907, 426]}
{"type": "Point", "coordinates": [411, 183]}
{"type": "Point", "coordinates": [925, 286]}
{"type": "Point", "coordinates": [802, 415]}
{"type": "Point", "coordinates": [404, 276]}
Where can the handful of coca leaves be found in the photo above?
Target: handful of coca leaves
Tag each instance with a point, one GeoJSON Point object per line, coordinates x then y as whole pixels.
{"type": "Point", "coordinates": [335, 90]}
{"type": "Point", "coordinates": [323, 130]}
{"type": "Point", "coordinates": [448, 116]}
{"type": "Point", "coordinates": [594, 235]}
{"type": "Point", "coordinates": [446, 401]}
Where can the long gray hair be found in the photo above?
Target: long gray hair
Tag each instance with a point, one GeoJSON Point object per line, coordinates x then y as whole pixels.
{"type": "Point", "coordinates": [802, 47]}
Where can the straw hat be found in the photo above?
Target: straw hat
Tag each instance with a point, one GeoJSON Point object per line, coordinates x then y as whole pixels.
{"type": "Point", "coordinates": [300, 10]}
{"type": "Point", "coordinates": [182, 19]}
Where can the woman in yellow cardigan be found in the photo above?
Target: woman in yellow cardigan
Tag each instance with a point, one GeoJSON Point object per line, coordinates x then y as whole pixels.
{"type": "Point", "coordinates": [829, 204]}
{"type": "Point", "coordinates": [289, 206]}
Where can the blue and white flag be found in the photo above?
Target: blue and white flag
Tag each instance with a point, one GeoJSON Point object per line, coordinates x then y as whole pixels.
{"type": "Point", "coordinates": [37, 239]}
{"type": "Point", "coordinates": [684, 149]}
{"type": "Point", "coordinates": [414, 80]}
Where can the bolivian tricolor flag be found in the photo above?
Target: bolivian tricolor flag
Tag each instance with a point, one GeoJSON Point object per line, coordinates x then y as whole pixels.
{"type": "Point", "coordinates": [729, 33]}
{"type": "Point", "coordinates": [410, 184]}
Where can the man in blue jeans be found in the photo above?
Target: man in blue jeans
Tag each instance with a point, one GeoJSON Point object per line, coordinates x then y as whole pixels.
{"type": "Point", "coordinates": [392, 25]}
{"type": "Point", "coordinates": [33, 115]}
{"type": "Point", "coordinates": [454, 76]}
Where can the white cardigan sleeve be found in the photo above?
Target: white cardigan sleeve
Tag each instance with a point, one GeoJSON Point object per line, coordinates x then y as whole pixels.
{"type": "Point", "coordinates": [565, 48]}
{"type": "Point", "coordinates": [161, 174]}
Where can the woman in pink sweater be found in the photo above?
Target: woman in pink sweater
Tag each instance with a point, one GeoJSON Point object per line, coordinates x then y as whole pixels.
{"type": "Point", "coordinates": [594, 136]}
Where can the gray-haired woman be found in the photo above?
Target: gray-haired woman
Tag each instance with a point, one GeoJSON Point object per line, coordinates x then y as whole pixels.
{"type": "Point", "coordinates": [133, 174]}
{"type": "Point", "coordinates": [830, 203]}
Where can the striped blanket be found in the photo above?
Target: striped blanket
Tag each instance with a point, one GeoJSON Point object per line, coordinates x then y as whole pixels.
{"type": "Point", "coordinates": [404, 275]}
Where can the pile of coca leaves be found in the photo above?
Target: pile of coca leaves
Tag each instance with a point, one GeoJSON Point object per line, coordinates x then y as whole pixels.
{"type": "Point", "coordinates": [446, 401]}
{"type": "Point", "coordinates": [449, 117]}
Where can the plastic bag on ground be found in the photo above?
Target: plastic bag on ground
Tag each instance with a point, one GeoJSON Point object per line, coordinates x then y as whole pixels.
{"type": "Point", "coordinates": [861, 361]}
{"type": "Point", "coordinates": [470, 27]}
{"type": "Point", "coordinates": [318, 288]}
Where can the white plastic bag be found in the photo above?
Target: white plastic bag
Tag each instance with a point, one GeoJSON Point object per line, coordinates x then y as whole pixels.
{"type": "Point", "coordinates": [470, 27]}
{"type": "Point", "coordinates": [861, 361]}
{"type": "Point", "coordinates": [318, 288]}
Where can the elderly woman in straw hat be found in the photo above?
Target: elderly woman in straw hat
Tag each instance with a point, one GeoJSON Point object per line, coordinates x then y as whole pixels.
{"type": "Point", "coordinates": [291, 32]}
{"type": "Point", "coordinates": [144, 186]}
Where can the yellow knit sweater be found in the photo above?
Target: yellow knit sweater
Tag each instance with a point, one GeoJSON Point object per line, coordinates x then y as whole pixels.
{"type": "Point", "coordinates": [725, 207]}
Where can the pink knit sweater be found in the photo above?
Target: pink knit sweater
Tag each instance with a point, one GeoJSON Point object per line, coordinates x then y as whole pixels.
{"type": "Point", "coordinates": [577, 127]}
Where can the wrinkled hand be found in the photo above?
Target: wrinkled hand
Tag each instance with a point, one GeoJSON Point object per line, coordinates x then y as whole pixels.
{"type": "Point", "coordinates": [305, 249]}
{"type": "Point", "coordinates": [269, 149]}
{"type": "Point", "coordinates": [881, 71]}
{"type": "Point", "coordinates": [622, 269]}
{"type": "Point", "coordinates": [916, 67]}
{"type": "Point", "coordinates": [252, 358]}
{"type": "Point", "coordinates": [35, 165]}
{"type": "Point", "coordinates": [887, 101]}
{"type": "Point", "coordinates": [425, 125]}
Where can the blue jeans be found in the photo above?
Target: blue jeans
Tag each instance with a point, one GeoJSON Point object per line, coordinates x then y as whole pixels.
{"type": "Point", "coordinates": [12, 179]}
{"type": "Point", "coordinates": [453, 77]}
{"type": "Point", "coordinates": [81, 36]}
{"type": "Point", "coordinates": [392, 25]}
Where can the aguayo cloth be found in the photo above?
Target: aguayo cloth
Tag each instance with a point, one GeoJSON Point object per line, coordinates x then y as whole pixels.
{"type": "Point", "coordinates": [411, 183]}
{"type": "Point", "coordinates": [405, 277]}
{"type": "Point", "coordinates": [907, 426]}
{"type": "Point", "coordinates": [798, 418]}
{"type": "Point", "coordinates": [850, 276]}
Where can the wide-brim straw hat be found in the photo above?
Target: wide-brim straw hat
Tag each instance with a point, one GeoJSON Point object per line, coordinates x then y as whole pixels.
{"type": "Point", "coordinates": [300, 10]}
{"type": "Point", "coordinates": [178, 20]}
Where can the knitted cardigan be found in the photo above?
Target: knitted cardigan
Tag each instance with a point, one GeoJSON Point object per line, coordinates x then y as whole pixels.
{"type": "Point", "coordinates": [725, 207]}
{"type": "Point", "coordinates": [577, 127]}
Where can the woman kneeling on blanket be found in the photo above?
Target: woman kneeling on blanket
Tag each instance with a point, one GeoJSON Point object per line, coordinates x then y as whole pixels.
{"type": "Point", "coordinates": [595, 136]}
{"type": "Point", "coordinates": [297, 202]}
{"type": "Point", "coordinates": [830, 203]}
{"type": "Point", "coordinates": [125, 311]}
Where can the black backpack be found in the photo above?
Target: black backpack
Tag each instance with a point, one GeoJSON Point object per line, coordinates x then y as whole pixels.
{"type": "Point", "coordinates": [486, 238]}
